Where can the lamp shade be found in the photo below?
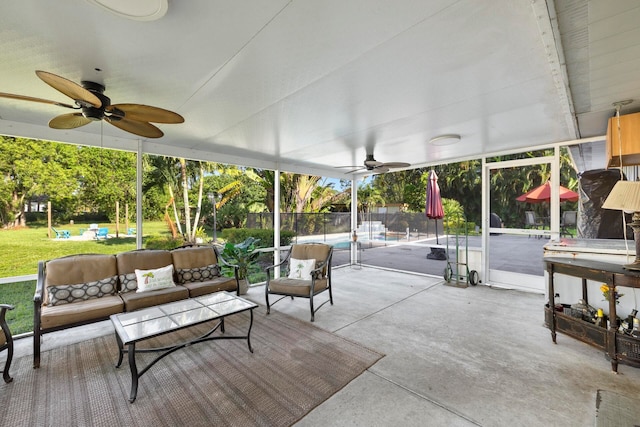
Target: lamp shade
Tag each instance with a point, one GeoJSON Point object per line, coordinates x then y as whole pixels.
{"type": "Point", "coordinates": [624, 196]}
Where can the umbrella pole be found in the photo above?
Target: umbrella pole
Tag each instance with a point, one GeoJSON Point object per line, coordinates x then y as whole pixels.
{"type": "Point", "coordinates": [437, 241]}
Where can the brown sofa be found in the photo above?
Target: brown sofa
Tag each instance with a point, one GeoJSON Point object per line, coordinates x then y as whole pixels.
{"type": "Point", "coordinates": [80, 289]}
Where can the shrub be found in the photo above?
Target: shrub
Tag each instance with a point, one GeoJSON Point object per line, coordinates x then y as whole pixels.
{"type": "Point", "coordinates": [167, 243]}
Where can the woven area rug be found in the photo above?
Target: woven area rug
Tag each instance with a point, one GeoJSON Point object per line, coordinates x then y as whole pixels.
{"type": "Point", "coordinates": [295, 367]}
{"type": "Point", "coordinates": [617, 410]}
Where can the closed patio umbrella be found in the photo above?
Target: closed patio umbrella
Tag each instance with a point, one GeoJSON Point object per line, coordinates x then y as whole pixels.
{"type": "Point", "coordinates": [433, 208]}
{"type": "Point", "coordinates": [542, 193]}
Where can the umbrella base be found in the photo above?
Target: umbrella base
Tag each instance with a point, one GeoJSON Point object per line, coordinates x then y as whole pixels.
{"type": "Point", "coordinates": [437, 254]}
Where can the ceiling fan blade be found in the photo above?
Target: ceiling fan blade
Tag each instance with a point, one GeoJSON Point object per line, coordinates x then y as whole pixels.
{"type": "Point", "coordinates": [381, 169]}
{"type": "Point", "coordinates": [357, 169]}
{"type": "Point", "coordinates": [138, 128]}
{"type": "Point", "coordinates": [71, 89]}
{"type": "Point", "coordinates": [32, 99]}
{"type": "Point", "coordinates": [349, 166]}
{"type": "Point", "coordinates": [69, 121]}
{"type": "Point", "coordinates": [394, 165]}
{"type": "Point", "coordinates": [145, 113]}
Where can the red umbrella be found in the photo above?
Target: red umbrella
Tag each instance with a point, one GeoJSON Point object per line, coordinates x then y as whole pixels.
{"type": "Point", "coordinates": [542, 193]}
{"type": "Point", "coordinates": [433, 208]}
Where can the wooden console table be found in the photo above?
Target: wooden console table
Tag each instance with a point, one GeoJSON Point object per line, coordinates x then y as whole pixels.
{"type": "Point", "coordinates": [617, 346]}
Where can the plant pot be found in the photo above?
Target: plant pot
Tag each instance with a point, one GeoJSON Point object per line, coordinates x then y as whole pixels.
{"type": "Point", "coordinates": [244, 286]}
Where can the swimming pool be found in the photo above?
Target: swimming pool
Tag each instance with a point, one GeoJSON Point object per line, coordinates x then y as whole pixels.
{"type": "Point", "coordinates": [343, 240]}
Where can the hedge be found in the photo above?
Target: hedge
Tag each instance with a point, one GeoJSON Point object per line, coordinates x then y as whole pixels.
{"type": "Point", "coordinates": [237, 235]}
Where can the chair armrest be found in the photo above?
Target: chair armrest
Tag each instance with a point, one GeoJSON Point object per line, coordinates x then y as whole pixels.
{"type": "Point", "coordinates": [227, 264]}
{"type": "Point", "coordinates": [236, 269]}
{"type": "Point", "coordinates": [37, 296]}
{"type": "Point", "coordinates": [4, 308]}
{"type": "Point", "coordinates": [3, 322]}
{"type": "Point", "coordinates": [272, 267]}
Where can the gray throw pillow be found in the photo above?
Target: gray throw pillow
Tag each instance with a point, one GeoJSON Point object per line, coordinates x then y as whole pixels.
{"type": "Point", "coordinates": [67, 294]}
{"type": "Point", "coordinates": [197, 274]}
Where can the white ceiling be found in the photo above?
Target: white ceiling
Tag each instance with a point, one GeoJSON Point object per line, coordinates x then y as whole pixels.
{"type": "Point", "coordinates": [307, 85]}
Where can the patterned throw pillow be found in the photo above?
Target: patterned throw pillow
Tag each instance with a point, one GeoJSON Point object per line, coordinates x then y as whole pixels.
{"type": "Point", "coordinates": [66, 294]}
{"type": "Point", "coordinates": [158, 278]}
{"type": "Point", "coordinates": [197, 274]}
{"type": "Point", "coordinates": [128, 282]}
{"type": "Point", "coordinates": [301, 268]}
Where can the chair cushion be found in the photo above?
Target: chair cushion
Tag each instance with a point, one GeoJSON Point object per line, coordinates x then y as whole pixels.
{"type": "Point", "coordinates": [319, 252]}
{"type": "Point", "coordinates": [296, 287]}
{"type": "Point", "coordinates": [301, 268]}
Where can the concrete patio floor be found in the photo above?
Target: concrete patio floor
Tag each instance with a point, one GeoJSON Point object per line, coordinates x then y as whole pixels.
{"type": "Point", "coordinates": [456, 357]}
{"type": "Point", "coordinates": [453, 356]}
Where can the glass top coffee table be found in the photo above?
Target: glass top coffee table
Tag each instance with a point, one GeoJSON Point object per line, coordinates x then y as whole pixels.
{"type": "Point", "coordinates": [140, 325]}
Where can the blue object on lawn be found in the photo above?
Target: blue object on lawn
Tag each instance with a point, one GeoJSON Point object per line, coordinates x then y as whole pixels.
{"type": "Point", "coordinates": [102, 233]}
{"type": "Point", "coordinates": [61, 234]}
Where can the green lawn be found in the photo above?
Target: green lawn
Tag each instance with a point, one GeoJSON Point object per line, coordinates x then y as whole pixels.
{"type": "Point", "coordinates": [23, 248]}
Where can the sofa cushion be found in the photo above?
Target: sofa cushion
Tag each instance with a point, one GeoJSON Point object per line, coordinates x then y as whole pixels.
{"type": "Point", "coordinates": [136, 301]}
{"type": "Point", "coordinates": [197, 274]}
{"type": "Point", "coordinates": [154, 279]}
{"type": "Point", "coordinates": [66, 294]}
{"type": "Point", "coordinates": [220, 283]}
{"type": "Point", "coordinates": [143, 259]}
{"type": "Point", "coordinates": [195, 256]}
{"type": "Point", "coordinates": [78, 269]}
{"type": "Point", "coordinates": [68, 314]}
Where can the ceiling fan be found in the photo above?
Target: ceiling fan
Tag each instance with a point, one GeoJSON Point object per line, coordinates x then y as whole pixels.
{"type": "Point", "coordinates": [95, 106]}
{"type": "Point", "coordinates": [371, 164]}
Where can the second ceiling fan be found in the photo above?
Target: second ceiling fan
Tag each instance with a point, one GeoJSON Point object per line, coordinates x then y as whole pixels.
{"type": "Point", "coordinates": [372, 165]}
{"type": "Point", "coordinates": [89, 98]}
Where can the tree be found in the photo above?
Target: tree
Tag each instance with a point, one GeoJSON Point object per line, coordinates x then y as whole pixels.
{"type": "Point", "coordinates": [105, 177]}
{"type": "Point", "coordinates": [402, 187]}
{"type": "Point", "coordinates": [33, 168]}
{"type": "Point", "coordinates": [369, 195]}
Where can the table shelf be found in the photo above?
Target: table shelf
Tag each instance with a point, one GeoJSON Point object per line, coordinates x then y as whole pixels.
{"type": "Point", "coordinates": [619, 347]}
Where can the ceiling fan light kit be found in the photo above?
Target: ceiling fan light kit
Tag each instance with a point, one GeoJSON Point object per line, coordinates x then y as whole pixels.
{"type": "Point", "coordinates": [95, 106]}
{"type": "Point", "coordinates": [447, 139]}
{"type": "Point", "coordinates": [139, 10]}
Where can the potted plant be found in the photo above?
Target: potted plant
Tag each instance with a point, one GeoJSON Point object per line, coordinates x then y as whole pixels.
{"type": "Point", "coordinates": [200, 235]}
{"type": "Point", "coordinates": [243, 255]}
